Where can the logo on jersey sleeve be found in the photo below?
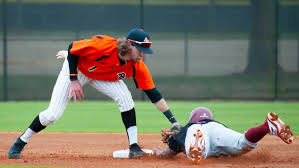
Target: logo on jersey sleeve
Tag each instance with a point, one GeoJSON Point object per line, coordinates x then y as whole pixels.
{"type": "Point", "coordinates": [121, 75]}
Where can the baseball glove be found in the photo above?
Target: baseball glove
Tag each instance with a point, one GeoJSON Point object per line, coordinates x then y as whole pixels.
{"type": "Point", "coordinates": [168, 132]}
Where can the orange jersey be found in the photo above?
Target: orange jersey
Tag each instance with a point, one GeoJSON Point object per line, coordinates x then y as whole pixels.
{"type": "Point", "coordinates": [98, 59]}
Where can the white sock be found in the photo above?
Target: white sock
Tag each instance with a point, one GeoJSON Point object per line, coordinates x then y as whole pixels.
{"type": "Point", "coordinates": [28, 134]}
{"type": "Point", "coordinates": [132, 133]}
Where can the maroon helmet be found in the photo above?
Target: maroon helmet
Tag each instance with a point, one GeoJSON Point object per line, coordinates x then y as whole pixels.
{"type": "Point", "coordinates": [200, 113]}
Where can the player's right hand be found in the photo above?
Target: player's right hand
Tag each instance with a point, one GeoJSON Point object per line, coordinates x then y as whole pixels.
{"type": "Point", "coordinates": [75, 90]}
{"type": "Point", "coordinates": [157, 151]}
{"type": "Point", "coordinates": [62, 54]}
{"type": "Point", "coordinates": [163, 152]}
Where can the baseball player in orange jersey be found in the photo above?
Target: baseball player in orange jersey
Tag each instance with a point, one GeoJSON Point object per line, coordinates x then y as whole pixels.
{"type": "Point", "coordinates": [101, 62]}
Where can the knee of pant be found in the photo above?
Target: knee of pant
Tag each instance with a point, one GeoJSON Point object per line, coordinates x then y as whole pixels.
{"type": "Point", "coordinates": [47, 117]}
{"type": "Point", "coordinates": [125, 102]}
{"type": "Point", "coordinates": [247, 149]}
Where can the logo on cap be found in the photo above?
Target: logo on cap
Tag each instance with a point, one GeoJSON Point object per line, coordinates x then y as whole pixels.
{"type": "Point", "coordinates": [146, 39]}
{"type": "Point", "coordinates": [141, 40]}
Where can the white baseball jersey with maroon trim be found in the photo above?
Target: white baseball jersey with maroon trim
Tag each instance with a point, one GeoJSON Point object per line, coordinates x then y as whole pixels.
{"type": "Point", "coordinates": [218, 140]}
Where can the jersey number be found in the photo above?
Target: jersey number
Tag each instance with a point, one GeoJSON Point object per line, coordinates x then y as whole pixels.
{"type": "Point", "coordinates": [121, 75]}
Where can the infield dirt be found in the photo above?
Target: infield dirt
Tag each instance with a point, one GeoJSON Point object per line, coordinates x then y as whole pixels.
{"type": "Point", "coordinates": [90, 150]}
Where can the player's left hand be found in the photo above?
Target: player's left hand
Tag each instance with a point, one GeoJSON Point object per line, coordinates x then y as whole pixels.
{"type": "Point", "coordinates": [75, 90]}
{"type": "Point", "coordinates": [157, 151]}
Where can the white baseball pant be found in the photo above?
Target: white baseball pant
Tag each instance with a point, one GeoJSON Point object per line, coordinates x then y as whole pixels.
{"type": "Point", "coordinates": [117, 90]}
{"type": "Point", "coordinates": [218, 140]}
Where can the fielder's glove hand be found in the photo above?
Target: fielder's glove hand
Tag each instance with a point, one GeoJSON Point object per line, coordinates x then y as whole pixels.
{"type": "Point", "coordinates": [176, 127]}
{"type": "Point", "coordinates": [168, 132]}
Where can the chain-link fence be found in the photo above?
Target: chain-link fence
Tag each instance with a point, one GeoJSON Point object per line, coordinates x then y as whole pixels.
{"type": "Point", "coordinates": [204, 49]}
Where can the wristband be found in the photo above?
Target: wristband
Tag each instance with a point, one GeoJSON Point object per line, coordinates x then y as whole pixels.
{"type": "Point", "coordinates": [169, 116]}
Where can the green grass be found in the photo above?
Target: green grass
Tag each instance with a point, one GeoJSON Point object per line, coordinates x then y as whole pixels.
{"type": "Point", "coordinates": [237, 86]}
{"type": "Point", "coordinates": [103, 116]}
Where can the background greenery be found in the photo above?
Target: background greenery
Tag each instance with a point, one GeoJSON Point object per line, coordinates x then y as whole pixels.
{"type": "Point", "coordinates": [168, 2]}
{"type": "Point", "coordinates": [103, 116]}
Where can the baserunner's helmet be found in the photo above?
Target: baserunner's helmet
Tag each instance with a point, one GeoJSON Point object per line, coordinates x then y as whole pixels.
{"type": "Point", "coordinates": [200, 113]}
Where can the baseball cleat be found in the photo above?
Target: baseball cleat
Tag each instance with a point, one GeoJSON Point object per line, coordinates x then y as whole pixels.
{"type": "Point", "coordinates": [195, 150]}
{"type": "Point", "coordinates": [279, 128]}
{"type": "Point", "coordinates": [135, 151]}
{"type": "Point", "coordinates": [15, 150]}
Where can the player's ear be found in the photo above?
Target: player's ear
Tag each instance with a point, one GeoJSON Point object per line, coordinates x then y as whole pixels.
{"type": "Point", "coordinates": [129, 44]}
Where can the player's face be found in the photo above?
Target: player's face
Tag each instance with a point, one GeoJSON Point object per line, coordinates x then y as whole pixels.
{"type": "Point", "coordinates": [136, 55]}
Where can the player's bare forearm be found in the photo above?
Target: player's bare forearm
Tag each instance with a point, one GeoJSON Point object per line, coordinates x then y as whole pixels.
{"type": "Point", "coordinates": [162, 105]}
{"type": "Point", "coordinates": [166, 153]}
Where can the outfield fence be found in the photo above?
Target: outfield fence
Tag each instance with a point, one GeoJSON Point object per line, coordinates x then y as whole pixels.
{"type": "Point", "coordinates": [204, 49]}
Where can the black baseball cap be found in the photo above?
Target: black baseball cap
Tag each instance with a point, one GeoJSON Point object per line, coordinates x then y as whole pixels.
{"type": "Point", "coordinates": [141, 40]}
